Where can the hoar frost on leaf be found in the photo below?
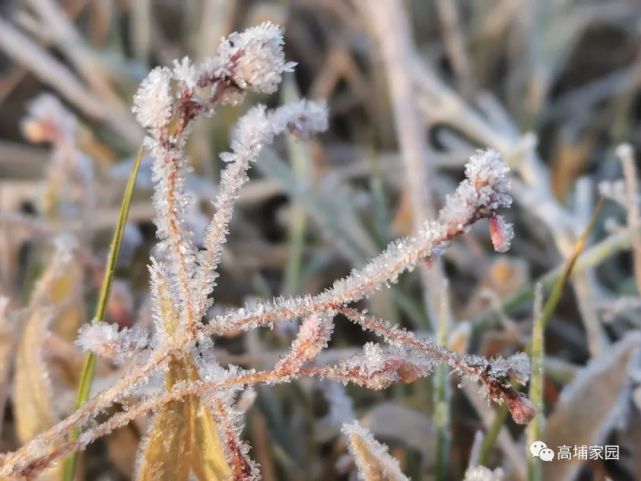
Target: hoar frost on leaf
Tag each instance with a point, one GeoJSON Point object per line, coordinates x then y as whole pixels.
{"type": "Point", "coordinates": [372, 458]}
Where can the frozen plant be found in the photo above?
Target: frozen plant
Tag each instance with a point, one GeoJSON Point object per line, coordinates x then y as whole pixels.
{"type": "Point", "coordinates": [183, 277]}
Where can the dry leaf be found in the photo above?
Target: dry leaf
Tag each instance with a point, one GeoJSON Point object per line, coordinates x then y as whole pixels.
{"type": "Point", "coordinates": [372, 458]}
{"type": "Point", "coordinates": [184, 437]}
{"type": "Point", "coordinates": [32, 405]}
{"type": "Point", "coordinates": [589, 406]}
{"type": "Point", "coordinates": [568, 163]}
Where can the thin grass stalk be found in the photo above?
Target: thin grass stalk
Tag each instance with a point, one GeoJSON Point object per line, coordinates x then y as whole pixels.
{"type": "Point", "coordinates": [493, 433]}
{"type": "Point", "coordinates": [535, 428]}
{"type": "Point", "coordinates": [300, 159]}
{"type": "Point", "coordinates": [441, 396]}
{"type": "Point", "coordinates": [89, 365]}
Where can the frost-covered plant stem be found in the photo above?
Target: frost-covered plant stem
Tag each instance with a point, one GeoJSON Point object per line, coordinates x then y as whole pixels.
{"type": "Point", "coordinates": [494, 376]}
{"type": "Point", "coordinates": [25, 461]}
{"type": "Point", "coordinates": [480, 195]}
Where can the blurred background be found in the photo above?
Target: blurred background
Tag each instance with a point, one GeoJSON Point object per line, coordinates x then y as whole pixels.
{"type": "Point", "coordinates": [413, 88]}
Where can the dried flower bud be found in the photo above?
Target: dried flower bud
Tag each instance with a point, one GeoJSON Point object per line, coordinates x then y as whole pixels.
{"type": "Point", "coordinates": [520, 407]}
{"type": "Point", "coordinates": [153, 102]}
{"type": "Point", "coordinates": [254, 59]}
{"type": "Point", "coordinates": [501, 233]}
{"type": "Point", "coordinates": [481, 194]}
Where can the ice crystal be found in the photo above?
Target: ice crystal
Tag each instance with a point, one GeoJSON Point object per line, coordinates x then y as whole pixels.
{"type": "Point", "coordinates": [301, 118]}
{"type": "Point", "coordinates": [253, 131]}
{"type": "Point", "coordinates": [107, 341]}
{"type": "Point", "coordinates": [381, 366]}
{"type": "Point", "coordinates": [372, 458]}
{"type": "Point", "coordinates": [312, 338]}
{"type": "Point", "coordinates": [482, 193]}
{"type": "Point", "coordinates": [182, 278]}
{"type": "Point", "coordinates": [501, 233]}
{"type": "Point", "coordinates": [481, 473]}
{"type": "Point", "coordinates": [186, 73]}
{"type": "Point", "coordinates": [153, 102]}
{"type": "Point", "coordinates": [614, 190]}
{"type": "Point", "coordinates": [254, 59]}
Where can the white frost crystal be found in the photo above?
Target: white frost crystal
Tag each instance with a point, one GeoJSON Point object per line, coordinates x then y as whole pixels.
{"type": "Point", "coordinates": [186, 73]}
{"type": "Point", "coordinates": [153, 102]}
{"type": "Point", "coordinates": [300, 117]}
{"type": "Point", "coordinates": [370, 455]}
{"type": "Point", "coordinates": [481, 473]}
{"type": "Point", "coordinates": [107, 341]}
{"type": "Point", "coordinates": [255, 57]}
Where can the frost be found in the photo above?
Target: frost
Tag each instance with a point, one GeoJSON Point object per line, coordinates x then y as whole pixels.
{"type": "Point", "coordinates": [312, 338]}
{"type": "Point", "coordinates": [153, 102]}
{"type": "Point", "coordinates": [515, 367]}
{"type": "Point", "coordinates": [254, 59]}
{"type": "Point", "coordinates": [300, 118]}
{"type": "Point", "coordinates": [105, 340]}
{"type": "Point", "coordinates": [372, 458]}
{"type": "Point", "coordinates": [501, 233]}
{"type": "Point", "coordinates": [614, 190]}
{"type": "Point", "coordinates": [186, 73]}
{"type": "Point", "coordinates": [253, 131]}
{"type": "Point", "coordinates": [379, 367]}
{"type": "Point", "coordinates": [481, 473]}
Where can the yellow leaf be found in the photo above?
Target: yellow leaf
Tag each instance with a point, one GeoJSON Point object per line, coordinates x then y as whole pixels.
{"type": "Point", "coordinates": [184, 437]}
{"type": "Point", "coordinates": [372, 458]}
{"type": "Point", "coordinates": [32, 406]}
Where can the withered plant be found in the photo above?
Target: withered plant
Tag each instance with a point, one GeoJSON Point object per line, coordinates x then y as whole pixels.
{"type": "Point", "coordinates": [197, 426]}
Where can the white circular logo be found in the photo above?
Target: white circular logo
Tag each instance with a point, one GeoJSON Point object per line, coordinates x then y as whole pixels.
{"type": "Point", "coordinates": [538, 449]}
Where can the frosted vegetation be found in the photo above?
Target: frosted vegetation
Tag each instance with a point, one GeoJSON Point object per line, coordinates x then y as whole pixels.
{"type": "Point", "coordinates": [178, 348]}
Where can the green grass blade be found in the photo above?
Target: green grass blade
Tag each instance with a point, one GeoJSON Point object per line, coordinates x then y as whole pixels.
{"type": "Point", "coordinates": [88, 369]}
{"type": "Point", "coordinates": [537, 350]}
{"type": "Point", "coordinates": [492, 434]}
{"type": "Point", "coordinates": [442, 396]}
